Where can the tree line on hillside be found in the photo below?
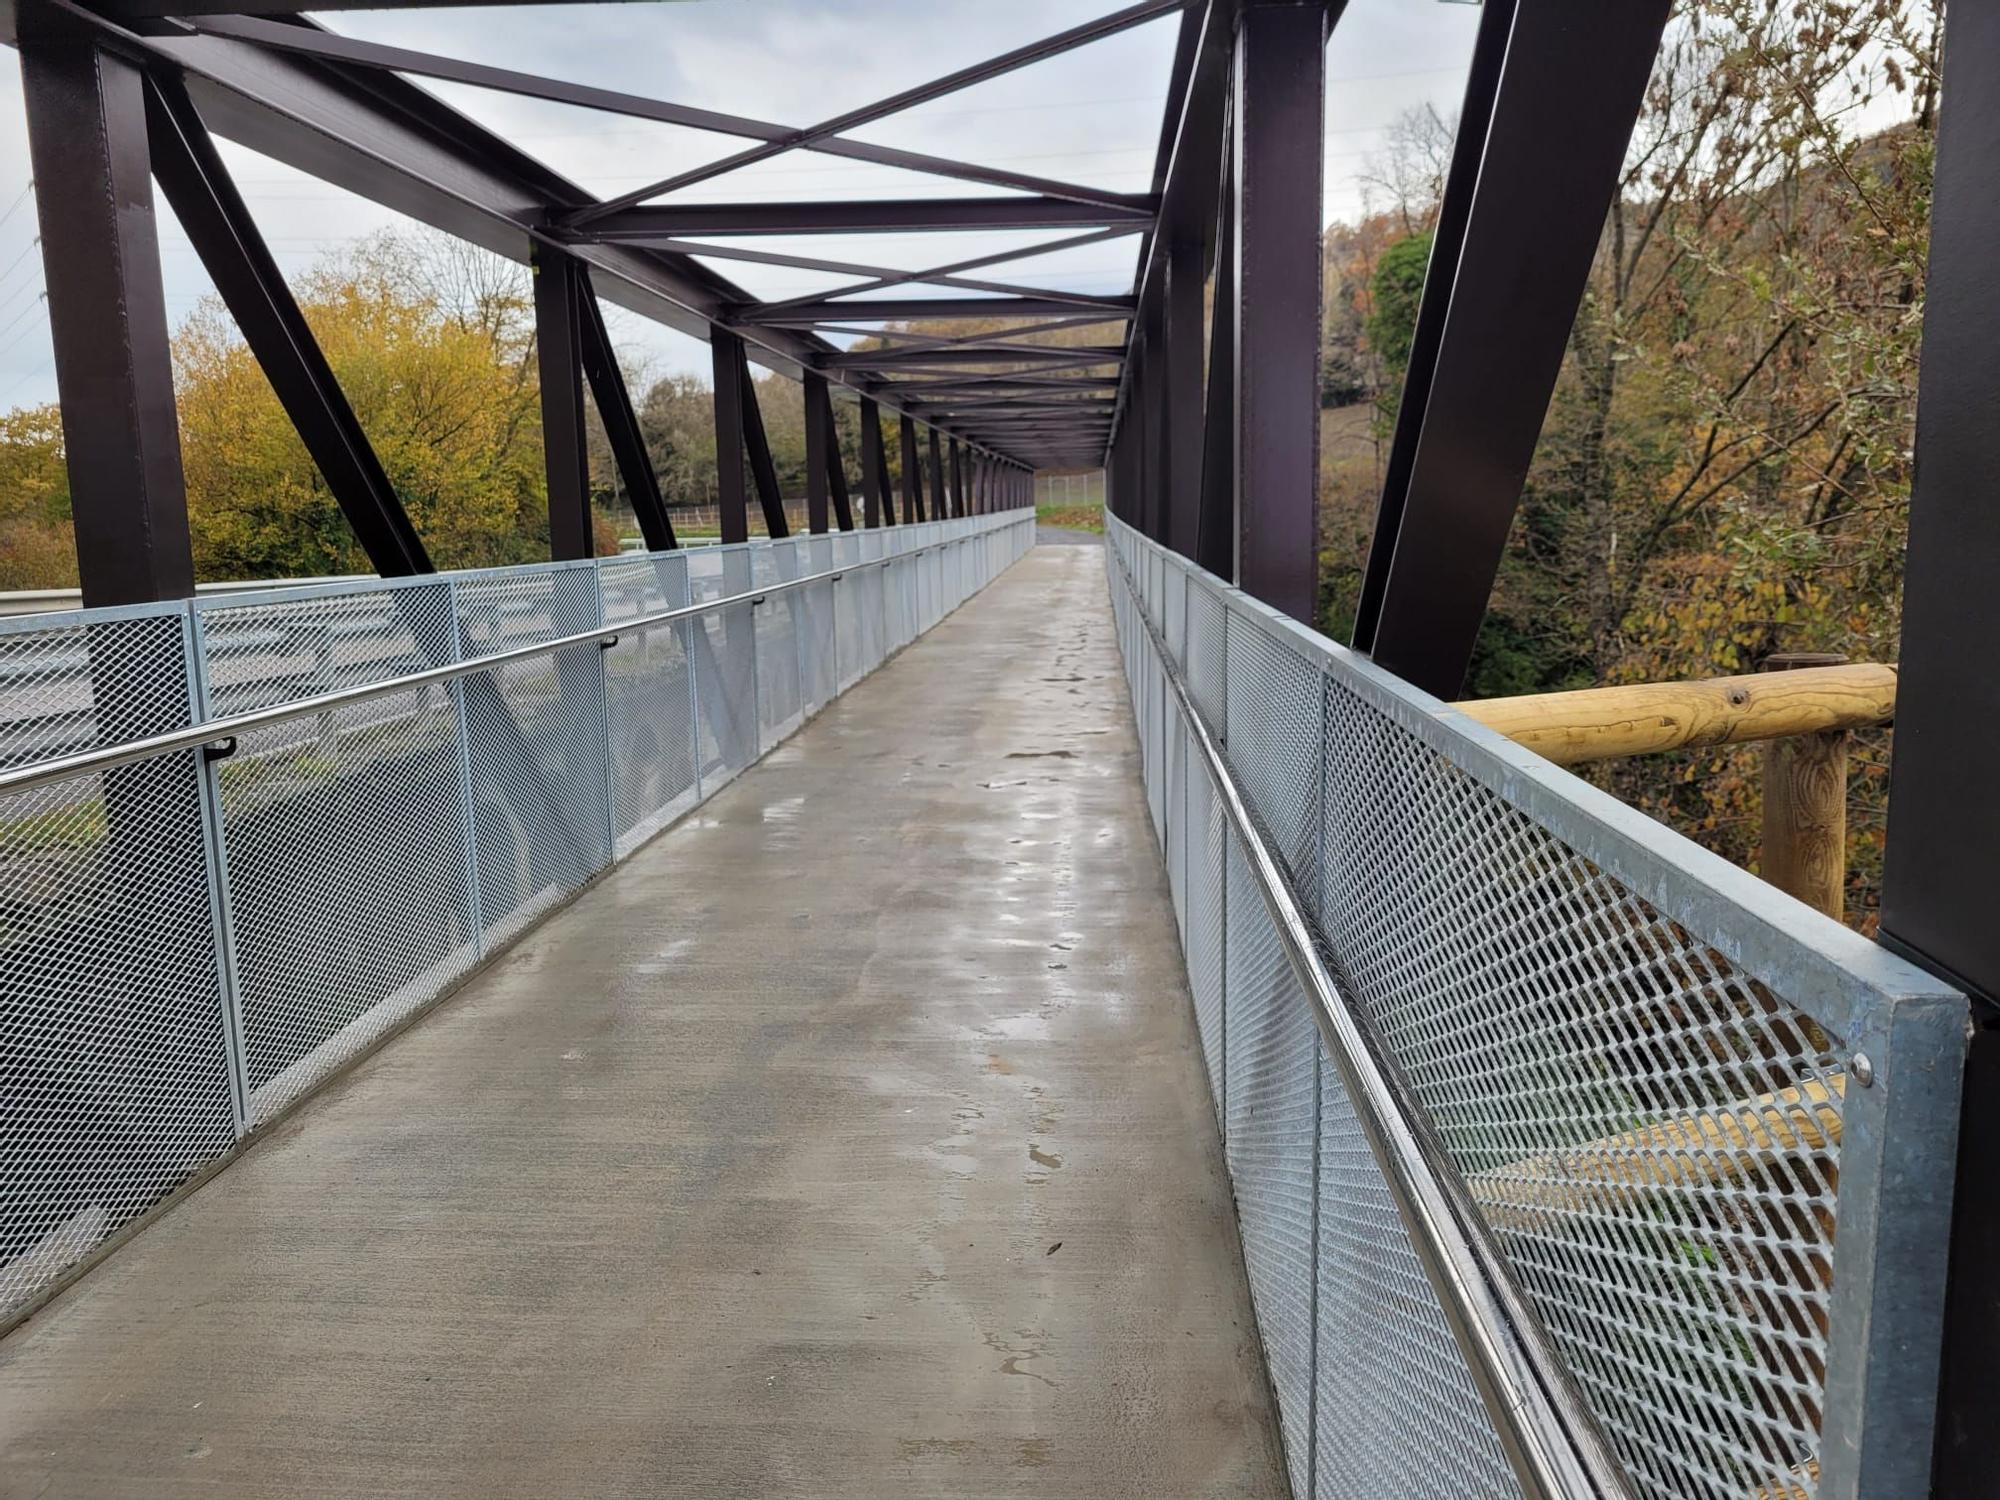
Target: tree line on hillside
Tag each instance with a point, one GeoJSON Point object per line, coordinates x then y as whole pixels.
{"type": "Point", "coordinates": [433, 342]}
{"type": "Point", "coordinates": [1724, 472]}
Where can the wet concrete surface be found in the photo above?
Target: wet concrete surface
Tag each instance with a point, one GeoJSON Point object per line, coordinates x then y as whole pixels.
{"type": "Point", "coordinates": [849, 1141]}
{"type": "Point", "coordinates": [1066, 536]}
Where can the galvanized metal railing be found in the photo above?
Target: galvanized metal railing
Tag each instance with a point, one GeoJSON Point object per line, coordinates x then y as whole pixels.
{"type": "Point", "coordinates": [1569, 1159]}
{"type": "Point", "coordinates": [243, 838]}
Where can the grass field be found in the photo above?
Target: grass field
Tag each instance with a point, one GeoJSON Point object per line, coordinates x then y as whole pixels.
{"type": "Point", "coordinates": [1071, 517]}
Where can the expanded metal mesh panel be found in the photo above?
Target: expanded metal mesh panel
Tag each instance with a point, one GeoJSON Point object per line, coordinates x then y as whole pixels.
{"type": "Point", "coordinates": [853, 602]}
{"type": "Point", "coordinates": [346, 833]}
{"type": "Point", "coordinates": [1275, 705]}
{"type": "Point", "coordinates": [643, 585]}
{"type": "Point", "coordinates": [186, 946]}
{"type": "Point", "coordinates": [1271, 1136]}
{"type": "Point", "coordinates": [1397, 1412]}
{"type": "Point", "coordinates": [927, 589]}
{"type": "Point", "coordinates": [1652, 1137]}
{"type": "Point", "coordinates": [819, 645]}
{"type": "Point", "coordinates": [1173, 610]}
{"type": "Point", "coordinates": [1652, 1132]}
{"type": "Point", "coordinates": [648, 697]}
{"type": "Point", "coordinates": [779, 706]}
{"type": "Point", "coordinates": [540, 780]}
{"type": "Point", "coordinates": [1202, 932]}
{"type": "Point", "coordinates": [1176, 808]}
{"type": "Point", "coordinates": [871, 590]}
{"type": "Point", "coordinates": [1205, 662]}
{"type": "Point", "coordinates": [725, 675]}
{"type": "Point", "coordinates": [649, 711]}
{"type": "Point", "coordinates": [114, 1074]}
{"type": "Point", "coordinates": [901, 583]}
{"type": "Point", "coordinates": [1154, 699]}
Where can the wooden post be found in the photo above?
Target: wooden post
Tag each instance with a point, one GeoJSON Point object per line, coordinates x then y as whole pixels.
{"type": "Point", "coordinates": [1805, 806]}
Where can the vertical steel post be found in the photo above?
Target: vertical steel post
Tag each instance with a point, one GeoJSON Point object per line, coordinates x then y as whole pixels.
{"type": "Point", "coordinates": [941, 501]}
{"type": "Point", "coordinates": [913, 473]}
{"type": "Point", "coordinates": [819, 440]}
{"type": "Point", "coordinates": [1180, 379]}
{"type": "Point", "coordinates": [1216, 528]}
{"type": "Point", "coordinates": [107, 313]}
{"type": "Point", "coordinates": [836, 473]}
{"type": "Point", "coordinates": [731, 493]}
{"type": "Point", "coordinates": [559, 356]}
{"type": "Point", "coordinates": [1159, 385]}
{"type": "Point", "coordinates": [878, 505]}
{"type": "Point", "coordinates": [1944, 820]}
{"type": "Point", "coordinates": [1277, 157]}
{"type": "Point", "coordinates": [758, 445]}
{"type": "Point", "coordinates": [215, 846]}
{"type": "Point", "coordinates": [958, 506]}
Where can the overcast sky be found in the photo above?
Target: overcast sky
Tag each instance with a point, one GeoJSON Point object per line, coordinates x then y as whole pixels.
{"type": "Point", "coordinates": [1092, 116]}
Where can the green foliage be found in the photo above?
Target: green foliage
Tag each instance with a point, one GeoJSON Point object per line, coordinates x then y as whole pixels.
{"type": "Point", "coordinates": [36, 551]}
{"type": "Point", "coordinates": [1724, 470]}
{"type": "Point", "coordinates": [1398, 288]}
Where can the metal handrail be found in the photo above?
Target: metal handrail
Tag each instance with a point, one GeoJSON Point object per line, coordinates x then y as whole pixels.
{"type": "Point", "coordinates": [104, 758]}
{"type": "Point", "coordinates": [1549, 1436]}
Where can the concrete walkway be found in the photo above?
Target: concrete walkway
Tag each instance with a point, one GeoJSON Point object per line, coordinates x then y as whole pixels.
{"type": "Point", "coordinates": [850, 1141]}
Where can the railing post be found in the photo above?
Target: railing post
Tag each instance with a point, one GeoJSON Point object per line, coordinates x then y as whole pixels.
{"type": "Point", "coordinates": [215, 848]}
{"type": "Point", "coordinates": [604, 719]}
{"type": "Point", "coordinates": [467, 786]}
{"type": "Point", "coordinates": [1804, 850]}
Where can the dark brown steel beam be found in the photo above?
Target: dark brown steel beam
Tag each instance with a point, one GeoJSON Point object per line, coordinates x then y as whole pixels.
{"type": "Point", "coordinates": [559, 359]}
{"type": "Point", "coordinates": [1278, 139]}
{"type": "Point", "coordinates": [725, 352]}
{"type": "Point", "coordinates": [913, 480]}
{"type": "Point", "coordinates": [218, 224]}
{"type": "Point", "coordinates": [1475, 116]}
{"type": "Point", "coordinates": [1944, 819]}
{"type": "Point", "coordinates": [940, 495]}
{"type": "Point", "coordinates": [1181, 376]}
{"type": "Point", "coordinates": [385, 139]}
{"type": "Point", "coordinates": [878, 507]}
{"type": "Point", "coordinates": [1004, 354]}
{"type": "Point", "coordinates": [994, 67]}
{"type": "Point", "coordinates": [655, 222]}
{"type": "Point", "coordinates": [352, 50]}
{"type": "Point", "coordinates": [903, 309]}
{"type": "Point", "coordinates": [1215, 541]}
{"type": "Point", "coordinates": [757, 443]}
{"type": "Point", "coordinates": [1573, 81]}
{"type": "Point", "coordinates": [107, 314]}
{"type": "Point", "coordinates": [880, 277]}
{"type": "Point", "coordinates": [621, 422]}
{"type": "Point", "coordinates": [819, 457]}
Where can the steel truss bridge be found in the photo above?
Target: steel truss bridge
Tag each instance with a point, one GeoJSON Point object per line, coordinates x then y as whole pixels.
{"type": "Point", "coordinates": [898, 1010]}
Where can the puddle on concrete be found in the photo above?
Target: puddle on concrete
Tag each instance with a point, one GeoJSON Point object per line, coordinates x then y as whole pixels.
{"type": "Point", "coordinates": [785, 810]}
{"type": "Point", "coordinates": [1027, 1027]}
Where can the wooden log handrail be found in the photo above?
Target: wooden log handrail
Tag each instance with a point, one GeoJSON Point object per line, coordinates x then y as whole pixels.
{"type": "Point", "coordinates": [1610, 723]}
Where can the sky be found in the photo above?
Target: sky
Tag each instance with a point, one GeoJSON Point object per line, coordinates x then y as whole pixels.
{"type": "Point", "coordinates": [1092, 116]}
